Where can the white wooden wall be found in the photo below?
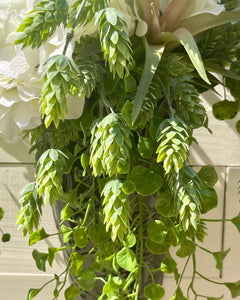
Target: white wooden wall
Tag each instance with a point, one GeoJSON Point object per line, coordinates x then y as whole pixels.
{"type": "Point", "coordinates": [221, 149]}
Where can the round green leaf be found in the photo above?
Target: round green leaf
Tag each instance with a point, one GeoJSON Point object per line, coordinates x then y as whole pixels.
{"type": "Point", "coordinates": [209, 175]}
{"type": "Point", "coordinates": [128, 187]}
{"type": "Point", "coordinates": [72, 292]}
{"type": "Point", "coordinates": [126, 259]}
{"type": "Point", "coordinates": [1, 213]}
{"type": "Point", "coordinates": [98, 234]}
{"type": "Point", "coordinates": [80, 237]}
{"type": "Point", "coordinates": [209, 199]}
{"type": "Point", "coordinates": [130, 240]}
{"type": "Point", "coordinates": [154, 291]}
{"type": "Point", "coordinates": [156, 248]}
{"type": "Point", "coordinates": [146, 181]}
{"type": "Point", "coordinates": [225, 109]}
{"type": "Point", "coordinates": [123, 166]}
{"type": "Point", "coordinates": [168, 265]}
{"type": "Point", "coordinates": [145, 147]}
{"type": "Point", "coordinates": [6, 237]}
{"type": "Point", "coordinates": [238, 126]}
{"type": "Point", "coordinates": [86, 279]}
{"type": "Point", "coordinates": [186, 248]}
{"type": "Point", "coordinates": [165, 204]}
{"type": "Point", "coordinates": [156, 231]}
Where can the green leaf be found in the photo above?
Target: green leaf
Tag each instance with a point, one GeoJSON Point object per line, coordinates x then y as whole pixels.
{"type": "Point", "coordinates": [156, 248]}
{"type": "Point", "coordinates": [126, 259]}
{"type": "Point", "coordinates": [215, 298]}
{"type": "Point", "coordinates": [208, 174]}
{"type": "Point", "coordinates": [236, 222]}
{"type": "Point", "coordinates": [66, 213]}
{"type": "Point", "coordinates": [129, 83]}
{"type": "Point", "coordinates": [86, 279]}
{"type": "Point", "coordinates": [76, 263]}
{"type": "Point", "coordinates": [112, 285]}
{"type": "Point", "coordinates": [6, 237]}
{"type": "Point", "coordinates": [165, 205]}
{"type": "Point", "coordinates": [32, 293]}
{"type": "Point", "coordinates": [238, 126]}
{"type": "Point", "coordinates": [156, 231]}
{"type": "Point", "coordinates": [128, 187]}
{"type": "Point", "coordinates": [189, 43]}
{"type": "Point", "coordinates": [85, 162]}
{"type": "Point", "coordinates": [97, 234]}
{"type": "Point", "coordinates": [72, 292]}
{"type": "Point", "coordinates": [209, 199]}
{"type": "Point", "coordinates": [179, 295]}
{"type": "Point", "coordinates": [1, 213]}
{"type": "Point", "coordinates": [168, 265]}
{"type": "Point", "coordinates": [186, 248]}
{"type": "Point", "coordinates": [80, 237]}
{"type": "Point", "coordinates": [37, 236]}
{"type": "Point", "coordinates": [224, 110]}
{"type": "Point", "coordinates": [234, 288]}
{"type": "Point", "coordinates": [154, 291]}
{"type": "Point", "coordinates": [219, 257]}
{"type": "Point", "coordinates": [130, 240]}
{"type": "Point", "coordinates": [40, 259]}
{"type": "Point", "coordinates": [205, 21]}
{"type": "Point", "coordinates": [145, 147]}
{"type": "Point", "coordinates": [66, 233]}
{"type": "Point", "coordinates": [183, 36]}
{"type": "Point", "coordinates": [153, 54]}
{"type": "Point", "coordinates": [146, 181]}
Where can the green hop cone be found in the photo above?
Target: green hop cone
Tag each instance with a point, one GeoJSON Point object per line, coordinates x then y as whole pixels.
{"type": "Point", "coordinates": [49, 174]}
{"type": "Point", "coordinates": [60, 80]}
{"type": "Point", "coordinates": [116, 209]}
{"type": "Point", "coordinates": [42, 22]}
{"type": "Point", "coordinates": [188, 102]}
{"type": "Point", "coordinates": [110, 146]}
{"type": "Point", "coordinates": [174, 139]}
{"type": "Point", "coordinates": [114, 40]}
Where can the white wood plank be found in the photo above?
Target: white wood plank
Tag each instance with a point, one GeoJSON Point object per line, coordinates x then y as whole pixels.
{"type": "Point", "coordinates": [16, 255]}
{"type": "Point", "coordinates": [205, 261]}
{"type": "Point", "coordinates": [16, 153]}
{"type": "Point", "coordinates": [231, 266]}
{"type": "Point", "coordinates": [14, 287]}
{"type": "Point", "coordinates": [222, 147]}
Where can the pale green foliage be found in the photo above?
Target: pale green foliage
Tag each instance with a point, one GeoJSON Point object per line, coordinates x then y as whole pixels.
{"type": "Point", "coordinates": [116, 209]}
{"type": "Point", "coordinates": [49, 175]}
{"type": "Point", "coordinates": [42, 22]}
{"type": "Point", "coordinates": [88, 12]}
{"type": "Point", "coordinates": [31, 208]}
{"type": "Point", "coordinates": [110, 147]}
{"type": "Point", "coordinates": [115, 42]}
{"type": "Point", "coordinates": [174, 139]}
{"type": "Point", "coordinates": [60, 79]}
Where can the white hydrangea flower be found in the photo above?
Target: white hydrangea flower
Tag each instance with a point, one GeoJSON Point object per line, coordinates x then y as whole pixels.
{"type": "Point", "coordinates": [20, 73]}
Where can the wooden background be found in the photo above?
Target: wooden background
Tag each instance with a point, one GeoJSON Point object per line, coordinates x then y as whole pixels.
{"type": "Point", "coordinates": [17, 269]}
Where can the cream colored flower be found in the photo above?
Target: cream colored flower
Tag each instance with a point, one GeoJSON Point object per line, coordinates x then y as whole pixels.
{"type": "Point", "coordinates": [20, 73]}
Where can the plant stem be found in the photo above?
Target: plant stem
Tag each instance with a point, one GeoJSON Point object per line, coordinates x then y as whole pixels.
{"type": "Point", "coordinates": [184, 269]}
{"type": "Point", "coordinates": [216, 220]}
{"type": "Point", "coordinates": [70, 34]}
{"type": "Point", "coordinates": [209, 280]}
{"type": "Point", "coordinates": [204, 249]}
{"type": "Point", "coordinates": [140, 236]}
{"type": "Point", "coordinates": [168, 99]}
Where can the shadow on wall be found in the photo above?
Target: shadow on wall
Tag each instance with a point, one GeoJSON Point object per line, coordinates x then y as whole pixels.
{"type": "Point", "coordinates": [221, 148]}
